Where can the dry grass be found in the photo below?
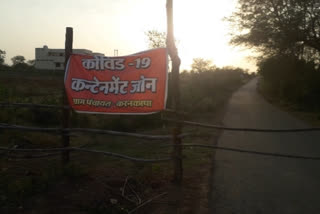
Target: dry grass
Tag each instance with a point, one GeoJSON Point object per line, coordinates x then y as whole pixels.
{"type": "Point", "coordinates": [88, 183]}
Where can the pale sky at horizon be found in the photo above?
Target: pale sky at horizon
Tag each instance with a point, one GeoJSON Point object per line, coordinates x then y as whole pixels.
{"type": "Point", "coordinates": [105, 25]}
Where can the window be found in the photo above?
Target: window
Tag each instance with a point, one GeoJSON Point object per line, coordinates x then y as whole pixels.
{"type": "Point", "coordinates": [55, 54]}
{"type": "Point", "coordinates": [58, 64]}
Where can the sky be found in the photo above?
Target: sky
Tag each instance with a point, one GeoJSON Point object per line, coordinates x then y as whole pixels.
{"type": "Point", "coordinates": [105, 25]}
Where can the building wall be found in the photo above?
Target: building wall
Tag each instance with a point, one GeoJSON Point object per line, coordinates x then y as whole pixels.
{"type": "Point", "coordinates": [53, 59]}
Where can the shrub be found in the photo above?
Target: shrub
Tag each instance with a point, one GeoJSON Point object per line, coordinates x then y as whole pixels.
{"type": "Point", "coordinates": [292, 80]}
{"type": "Point", "coordinates": [204, 91]}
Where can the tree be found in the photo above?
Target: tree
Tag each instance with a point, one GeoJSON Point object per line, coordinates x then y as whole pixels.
{"type": "Point", "coordinates": [18, 60]}
{"type": "Point", "coordinates": [277, 26]}
{"type": "Point", "coordinates": [200, 65]}
{"type": "Point", "coordinates": [2, 56]}
{"type": "Point", "coordinates": [156, 39]}
{"type": "Point", "coordinates": [31, 62]}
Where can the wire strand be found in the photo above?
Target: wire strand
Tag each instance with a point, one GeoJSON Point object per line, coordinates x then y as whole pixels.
{"type": "Point", "coordinates": [71, 149]}
{"type": "Point", "coordinates": [241, 129]}
{"type": "Point", "coordinates": [253, 152]}
{"type": "Point", "coordinates": [86, 130]}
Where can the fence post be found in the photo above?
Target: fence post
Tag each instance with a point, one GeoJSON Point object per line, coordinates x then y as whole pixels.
{"type": "Point", "coordinates": [173, 53]}
{"type": "Point", "coordinates": [66, 112]}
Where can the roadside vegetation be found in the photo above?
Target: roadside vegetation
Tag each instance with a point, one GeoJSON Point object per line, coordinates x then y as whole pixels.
{"type": "Point", "coordinates": [286, 37]}
{"type": "Point", "coordinates": [98, 184]}
{"type": "Point", "coordinates": [19, 63]}
{"type": "Point", "coordinates": [291, 81]}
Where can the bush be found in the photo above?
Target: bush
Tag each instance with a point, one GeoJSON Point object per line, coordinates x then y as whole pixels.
{"type": "Point", "coordinates": [204, 91]}
{"type": "Point", "coordinates": [4, 67]}
{"type": "Point", "coordinates": [292, 80]}
{"type": "Point", "coordinates": [201, 91]}
{"type": "Point", "coordinates": [23, 67]}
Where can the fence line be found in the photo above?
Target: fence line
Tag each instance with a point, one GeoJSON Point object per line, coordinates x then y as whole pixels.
{"type": "Point", "coordinates": [176, 112]}
{"type": "Point", "coordinates": [124, 156]}
{"type": "Point", "coordinates": [204, 125]}
{"type": "Point", "coordinates": [58, 150]}
{"type": "Point", "coordinates": [28, 156]}
{"type": "Point", "coordinates": [190, 123]}
{"type": "Point", "coordinates": [72, 149]}
{"type": "Point", "coordinates": [31, 105]}
{"type": "Point", "coordinates": [253, 152]}
{"type": "Point", "coordinates": [65, 131]}
{"type": "Point", "coordinates": [85, 130]}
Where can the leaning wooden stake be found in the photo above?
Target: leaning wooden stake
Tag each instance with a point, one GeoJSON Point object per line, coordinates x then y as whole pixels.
{"type": "Point", "coordinates": [66, 112]}
{"type": "Point", "coordinates": [173, 53]}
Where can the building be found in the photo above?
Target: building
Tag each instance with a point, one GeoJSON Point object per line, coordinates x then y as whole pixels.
{"type": "Point", "coordinates": [53, 59]}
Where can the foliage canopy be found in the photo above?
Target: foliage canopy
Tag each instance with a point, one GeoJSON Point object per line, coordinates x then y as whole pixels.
{"type": "Point", "coordinates": [18, 60]}
{"type": "Point", "coordinates": [200, 65]}
{"type": "Point", "coordinates": [2, 56]}
{"type": "Point", "coordinates": [277, 26]}
{"type": "Point", "coordinates": [156, 39]}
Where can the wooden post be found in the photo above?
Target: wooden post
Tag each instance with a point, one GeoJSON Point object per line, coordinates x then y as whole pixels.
{"type": "Point", "coordinates": [173, 53]}
{"type": "Point", "coordinates": [66, 112]}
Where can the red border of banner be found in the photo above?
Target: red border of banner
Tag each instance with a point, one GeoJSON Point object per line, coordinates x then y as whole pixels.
{"type": "Point", "coordinates": [126, 113]}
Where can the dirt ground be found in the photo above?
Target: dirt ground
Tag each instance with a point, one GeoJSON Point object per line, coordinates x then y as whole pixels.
{"type": "Point", "coordinates": [97, 184]}
{"type": "Point", "coordinates": [106, 189]}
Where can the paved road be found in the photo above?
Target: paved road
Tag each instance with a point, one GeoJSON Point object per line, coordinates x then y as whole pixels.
{"type": "Point", "coordinates": [246, 184]}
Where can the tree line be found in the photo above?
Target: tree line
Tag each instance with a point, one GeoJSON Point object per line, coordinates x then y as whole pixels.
{"type": "Point", "coordinates": [286, 34]}
{"type": "Point", "coordinates": [19, 63]}
{"type": "Point", "coordinates": [205, 87]}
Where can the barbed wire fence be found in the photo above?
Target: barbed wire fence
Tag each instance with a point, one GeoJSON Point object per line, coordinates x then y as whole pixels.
{"type": "Point", "coordinates": [7, 151]}
{"type": "Point", "coordinates": [66, 131]}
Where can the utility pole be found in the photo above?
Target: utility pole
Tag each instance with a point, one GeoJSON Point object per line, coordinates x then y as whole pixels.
{"type": "Point", "coordinates": [66, 111]}
{"type": "Point", "coordinates": [173, 53]}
